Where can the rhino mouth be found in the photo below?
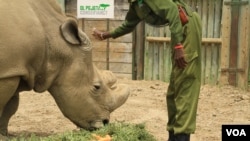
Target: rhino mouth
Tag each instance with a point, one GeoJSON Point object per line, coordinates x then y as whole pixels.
{"type": "Point", "coordinates": [94, 125]}
{"type": "Point", "coordinates": [105, 121]}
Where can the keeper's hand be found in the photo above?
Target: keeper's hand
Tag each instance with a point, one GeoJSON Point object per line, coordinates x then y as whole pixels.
{"type": "Point", "coordinates": [98, 34]}
{"type": "Point", "coordinates": [179, 56]}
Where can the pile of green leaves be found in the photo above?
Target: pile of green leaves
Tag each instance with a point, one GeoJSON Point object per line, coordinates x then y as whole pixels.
{"type": "Point", "coordinates": [118, 132]}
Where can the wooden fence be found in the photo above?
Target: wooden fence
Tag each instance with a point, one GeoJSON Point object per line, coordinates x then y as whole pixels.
{"type": "Point", "coordinates": [114, 55]}
{"type": "Point", "coordinates": [235, 43]}
{"type": "Point", "coordinates": [225, 44]}
{"type": "Point", "coordinates": [157, 46]}
{"type": "Point", "coordinates": [146, 53]}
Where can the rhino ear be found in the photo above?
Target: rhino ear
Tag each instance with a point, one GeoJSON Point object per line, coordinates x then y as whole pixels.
{"type": "Point", "coordinates": [69, 31]}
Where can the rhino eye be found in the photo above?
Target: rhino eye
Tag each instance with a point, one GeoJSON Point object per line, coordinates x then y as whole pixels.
{"type": "Point", "coordinates": [97, 87]}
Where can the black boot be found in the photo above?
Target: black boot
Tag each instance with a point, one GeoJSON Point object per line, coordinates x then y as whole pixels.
{"type": "Point", "coordinates": [171, 136]}
{"type": "Point", "coordinates": [182, 137]}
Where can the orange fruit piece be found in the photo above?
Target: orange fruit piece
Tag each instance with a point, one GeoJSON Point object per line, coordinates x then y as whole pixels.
{"type": "Point", "coordinates": [100, 138]}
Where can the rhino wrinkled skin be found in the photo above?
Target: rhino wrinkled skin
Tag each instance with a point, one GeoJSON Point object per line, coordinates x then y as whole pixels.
{"type": "Point", "coordinates": [41, 49]}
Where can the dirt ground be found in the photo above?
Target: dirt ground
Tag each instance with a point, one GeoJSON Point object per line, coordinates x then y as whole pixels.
{"type": "Point", "coordinates": [218, 105]}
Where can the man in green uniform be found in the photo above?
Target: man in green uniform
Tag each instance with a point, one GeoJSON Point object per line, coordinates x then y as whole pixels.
{"type": "Point", "coordinates": [185, 81]}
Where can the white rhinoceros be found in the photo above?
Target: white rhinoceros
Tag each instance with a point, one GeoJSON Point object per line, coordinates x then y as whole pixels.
{"type": "Point", "coordinates": [42, 49]}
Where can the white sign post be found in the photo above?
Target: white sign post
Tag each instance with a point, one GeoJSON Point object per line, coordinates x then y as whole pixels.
{"type": "Point", "coordinates": [95, 9]}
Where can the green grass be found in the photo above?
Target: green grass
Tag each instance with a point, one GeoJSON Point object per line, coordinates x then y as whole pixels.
{"type": "Point", "coordinates": [118, 132]}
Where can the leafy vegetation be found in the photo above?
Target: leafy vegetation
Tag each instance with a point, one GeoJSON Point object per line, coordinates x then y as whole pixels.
{"type": "Point", "coordinates": [117, 131]}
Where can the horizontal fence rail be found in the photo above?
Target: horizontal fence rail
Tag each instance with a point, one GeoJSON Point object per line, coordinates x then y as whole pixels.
{"type": "Point", "coordinates": [168, 39]}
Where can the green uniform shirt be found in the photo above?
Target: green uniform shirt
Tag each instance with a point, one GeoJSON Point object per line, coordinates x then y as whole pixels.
{"type": "Point", "coordinates": [153, 12]}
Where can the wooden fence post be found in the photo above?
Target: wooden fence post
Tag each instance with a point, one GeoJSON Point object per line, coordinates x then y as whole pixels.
{"type": "Point", "coordinates": [234, 54]}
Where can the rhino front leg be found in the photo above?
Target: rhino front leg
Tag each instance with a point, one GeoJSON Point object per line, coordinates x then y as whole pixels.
{"type": "Point", "coordinates": [9, 110]}
{"type": "Point", "coordinates": [9, 99]}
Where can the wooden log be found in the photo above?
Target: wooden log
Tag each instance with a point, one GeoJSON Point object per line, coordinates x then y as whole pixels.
{"type": "Point", "coordinates": [168, 39]}
{"type": "Point", "coordinates": [243, 47]}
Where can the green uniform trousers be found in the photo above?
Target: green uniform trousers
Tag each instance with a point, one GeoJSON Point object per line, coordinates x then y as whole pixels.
{"type": "Point", "coordinates": [184, 88]}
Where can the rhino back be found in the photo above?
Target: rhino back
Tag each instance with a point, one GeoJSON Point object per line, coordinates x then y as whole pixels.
{"type": "Point", "coordinates": [25, 30]}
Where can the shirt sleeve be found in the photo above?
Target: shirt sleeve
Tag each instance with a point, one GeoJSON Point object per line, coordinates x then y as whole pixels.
{"type": "Point", "coordinates": [128, 25]}
{"type": "Point", "coordinates": [175, 24]}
